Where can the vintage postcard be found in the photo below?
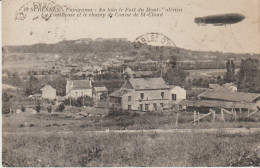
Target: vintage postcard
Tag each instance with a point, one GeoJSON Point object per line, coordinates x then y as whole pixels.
{"type": "Point", "coordinates": [93, 83]}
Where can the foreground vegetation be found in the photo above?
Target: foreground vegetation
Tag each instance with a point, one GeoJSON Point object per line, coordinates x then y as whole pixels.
{"type": "Point", "coordinates": [126, 149]}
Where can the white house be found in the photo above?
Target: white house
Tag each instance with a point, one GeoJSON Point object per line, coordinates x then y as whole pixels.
{"type": "Point", "coordinates": [48, 92]}
{"type": "Point", "coordinates": [78, 88]}
{"type": "Point", "coordinates": [146, 94]}
{"type": "Point", "coordinates": [230, 86]}
{"type": "Point", "coordinates": [177, 94]}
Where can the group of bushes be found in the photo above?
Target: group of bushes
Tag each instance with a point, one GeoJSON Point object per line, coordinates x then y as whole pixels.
{"type": "Point", "coordinates": [79, 102]}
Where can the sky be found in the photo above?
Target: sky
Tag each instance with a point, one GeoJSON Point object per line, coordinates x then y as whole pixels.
{"type": "Point", "coordinates": [243, 37]}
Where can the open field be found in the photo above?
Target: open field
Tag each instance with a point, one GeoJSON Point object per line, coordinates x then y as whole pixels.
{"type": "Point", "coordinates": [140, 149]}
{"type": "Point", "coordinates": [60, 139]}
{"type": "Point", "coordinates": [25, 122]}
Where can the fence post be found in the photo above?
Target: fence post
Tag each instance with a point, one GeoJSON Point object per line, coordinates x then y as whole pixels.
{"type": "Point", "coordinates": [235, 113]}
{"type": "Point", "coordinates": [194, 116]}
{"type": "Point", "coordinates": [214, 115]}
{"type": "Point", "coordinates": [222, 115]}
{"type": "Point", "coordinates": [177, 117]}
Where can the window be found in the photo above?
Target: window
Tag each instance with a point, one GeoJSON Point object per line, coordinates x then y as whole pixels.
{"type": "Point", "coordinates": [141, 107]}
{"type": "Point", "coordinates": [174, 97]}
{"type": "Point", "coordinates": [129, 107]}
{"type": "Point", "coordinates": [119, 100]}
{"type": "Point", "coordinates": [76, 94]}
{"type": "Point", "coordinates": [129, 98]}
{"type": "Point", "coordinates": [162, 94]}
{"type": "Point", "coordinates": [147, 107]}
{"type": "Point", "coordinates": [161, 104]}
{"type": "Point", "coordinates": [142, 95]}
{"type": "Point", "coordinates": [155, 106]}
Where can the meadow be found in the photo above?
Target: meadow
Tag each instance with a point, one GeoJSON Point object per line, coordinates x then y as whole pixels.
{"type": "Point", "coordinates": [60, 139]}
{"type": "Point", "coordinates": [126, 149]}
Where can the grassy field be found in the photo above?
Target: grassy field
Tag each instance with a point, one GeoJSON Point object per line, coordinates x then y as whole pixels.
{"type": "Point", "coordinates": [25, 122]}
{"type": "Point", "coordinates": [151, 149]}
{"type": "Point", "coordinates": [60, 139]}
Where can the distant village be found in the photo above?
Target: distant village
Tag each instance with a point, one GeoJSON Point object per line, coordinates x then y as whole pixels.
{"type": "Point", "coordinates": [139, 84]}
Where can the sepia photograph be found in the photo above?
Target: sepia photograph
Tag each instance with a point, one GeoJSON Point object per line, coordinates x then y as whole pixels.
{"type": "Point", "coordinates": [130, 83]}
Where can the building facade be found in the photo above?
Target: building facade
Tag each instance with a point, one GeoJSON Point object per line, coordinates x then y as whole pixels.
{"type": "Point", "coordinates": [145, 94]}
{"type": "Point", "coordinates": [78, 88]}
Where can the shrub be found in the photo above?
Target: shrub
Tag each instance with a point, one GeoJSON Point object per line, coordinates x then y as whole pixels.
{"type": "Point", "coordinates": [79, 102]}
{"type": "Point", "coordinates": [38, 108]}
{"type": "Point", "coordinates": [23, 109]}
{"type": "Point", "coordinates": [49, 108]}
{"type": "Point", "coordinates": [61, 107]}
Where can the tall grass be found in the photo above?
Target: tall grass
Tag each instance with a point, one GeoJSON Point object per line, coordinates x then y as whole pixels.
{"type": "Point", "coordinates": [151, 149]}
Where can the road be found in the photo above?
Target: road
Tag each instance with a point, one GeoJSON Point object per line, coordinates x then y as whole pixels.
{"type": "Point", "coordinates": [225, 130]}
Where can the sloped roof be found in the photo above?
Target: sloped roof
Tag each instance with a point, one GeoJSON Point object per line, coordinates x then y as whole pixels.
{"type": "Point", "coordinates": [216, 103]}
{"type": "Point", "coordinates": [100, 89]}
{"type": "Point", "coordinates": [121, 92]}
{"type": "Point", "coordinates": [47, 87]}
{"type": "Point", "coordinates": [81, 84]}
{"type": "Point", "coordinates": [229, 96]}
{"type": "Point", "coordinates": [148, 83]}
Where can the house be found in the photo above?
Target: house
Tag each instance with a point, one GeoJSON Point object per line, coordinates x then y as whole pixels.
{"type": "Point", "coordinates": [48, 92]}
{"type": "Point", "coordinates": [100, 96]}
{"type": "Point", "coordinates": [100, 93]}
{"type": "Point", "coordinates": [230, 86]}
{"type": "Point", "coordinates": [177, 93]}
{"type": "Point", "coordinates": [144, 94]}
{"type": "Point", "coordinates": [78, 88]}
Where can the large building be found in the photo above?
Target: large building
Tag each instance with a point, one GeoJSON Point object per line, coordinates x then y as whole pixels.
{"type": "Point", "coordinates": [145, 94]}
{"type": "Point", "coordinates": [78, 88]}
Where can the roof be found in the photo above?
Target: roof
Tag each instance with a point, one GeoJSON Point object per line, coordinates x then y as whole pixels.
{"type": "Point", "coordinates": [100, 89]}
{"type": "Point", "coordinates": [148, 83]}
{"type": "Point", "coordinates": [229, 96]}
{"type": "Point", "coordinates": [216, 103]}
{"type": "Point", "coordinates": [121, 92]}
{"type": "Point", "coordinates": [144, 73]}
{"type": "Point", "coordinates": [214, 86]}
{"type": "Point", "coordinates": [228, 84]}
{"type": "Point", "coordinates": [81, 84]}
{"type": "Point", "coordinates": [6, 87]}
{"type": "Point", "coordinates": [47, 87]}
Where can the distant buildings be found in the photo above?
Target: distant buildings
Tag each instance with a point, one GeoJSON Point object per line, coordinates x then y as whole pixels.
{"type": "Point", "coordinates": [227, 86]}
{"type": "Point", "coordinates": [145, 94]}
{"type": "Point", "coordinates": [48, 92]}
{"type": "Point", "coordinates": [128, 72]}
{"type": "Point", "coordinates": [78, 88]}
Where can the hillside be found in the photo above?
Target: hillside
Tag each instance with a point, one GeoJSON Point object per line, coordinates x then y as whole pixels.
{"type": "Point", "coordinates": [106, 48]}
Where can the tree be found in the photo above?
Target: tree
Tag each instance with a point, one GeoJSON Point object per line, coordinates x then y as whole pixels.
{"type": "Point", "coordinates": [175, 76]}
{"type": "Point", "coordinates": [230, 75]}
{"type": "Point", "coordinates": [249, 75]}
{"type": "Point", "coordinates": [6, 104]}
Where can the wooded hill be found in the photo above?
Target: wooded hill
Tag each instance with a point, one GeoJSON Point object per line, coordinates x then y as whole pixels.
{"type": "Point", "coordinates": [126, 48]}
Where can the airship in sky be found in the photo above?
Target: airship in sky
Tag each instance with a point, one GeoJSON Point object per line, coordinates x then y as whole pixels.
{"type": "Point", "coordinates": [220, 20]}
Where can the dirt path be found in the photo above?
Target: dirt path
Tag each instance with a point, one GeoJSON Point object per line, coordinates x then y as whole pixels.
{"type": "Point", "coordinates": [225, 130]}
